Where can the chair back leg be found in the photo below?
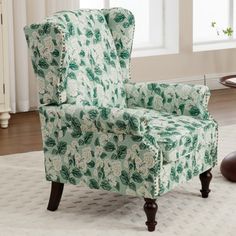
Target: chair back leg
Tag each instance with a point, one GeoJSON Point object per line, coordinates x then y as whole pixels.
{"type": "Point", "coordinates": [55, 196]}
{"type": "Point", "coordinates": [205, 178]}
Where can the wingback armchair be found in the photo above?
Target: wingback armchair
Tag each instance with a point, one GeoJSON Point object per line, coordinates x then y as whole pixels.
{"type": "Point", "coordinates": [101, 130]}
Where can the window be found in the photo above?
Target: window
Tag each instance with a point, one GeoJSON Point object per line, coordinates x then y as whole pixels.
{"type": "Point", "coordinates": [1, 59]}
{"type": "Point", "coordinates": [156, 27]}
{"type": "Point", "coordinates": [96, 4]}
{"type": "Point", "coordinates": [205, 12]}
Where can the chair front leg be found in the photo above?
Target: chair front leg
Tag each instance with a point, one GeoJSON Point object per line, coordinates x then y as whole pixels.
{"type": "Point", "coordinates": [205, 178]}
{"type": "Point", "coordinates": [55, 196]}
{"type": "Point", "coordinates": [150, 208]}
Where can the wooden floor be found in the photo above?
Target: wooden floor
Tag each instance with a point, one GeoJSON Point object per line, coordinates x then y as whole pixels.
{"type": "Point", "coordinates": [24, 135]}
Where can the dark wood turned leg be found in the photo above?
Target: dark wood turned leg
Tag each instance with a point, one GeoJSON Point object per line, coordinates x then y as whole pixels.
{"type": "Point", "coordinates": [150, 208]}
{"type": "Point", "coordinates": [205, 181]}
{"type": "Point", "coordinates": [55, 196]}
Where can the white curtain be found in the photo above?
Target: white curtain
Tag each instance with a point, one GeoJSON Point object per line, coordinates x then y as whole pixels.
{"type": "Point", "coordinates": [23, 84]}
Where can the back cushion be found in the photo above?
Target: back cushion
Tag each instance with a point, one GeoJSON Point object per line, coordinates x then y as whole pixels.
{"type": "Point", "coordinates": [74, 57]}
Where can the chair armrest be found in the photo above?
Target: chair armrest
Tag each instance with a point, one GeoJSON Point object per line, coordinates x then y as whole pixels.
{"type": "Point", "coordinates": [180, 99]}
{"type": "Point", "coordinates": [98, 119]}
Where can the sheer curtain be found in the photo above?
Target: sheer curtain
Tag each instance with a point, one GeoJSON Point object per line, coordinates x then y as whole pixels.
{"type": "Point", "coordinates": [22, 80]}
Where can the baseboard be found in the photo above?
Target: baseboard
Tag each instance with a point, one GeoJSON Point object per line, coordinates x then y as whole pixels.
{"type": "Point", "coordinates": [186, 80]}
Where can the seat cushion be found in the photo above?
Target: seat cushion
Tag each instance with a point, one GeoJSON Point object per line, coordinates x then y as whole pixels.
{"type": "Point", "coordinates": [178, 136]}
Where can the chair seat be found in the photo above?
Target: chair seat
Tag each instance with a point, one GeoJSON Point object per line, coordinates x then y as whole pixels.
{"type": "Point", "coordinates": [177, 136]}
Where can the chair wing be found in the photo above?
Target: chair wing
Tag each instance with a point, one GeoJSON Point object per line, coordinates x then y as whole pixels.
{"type": "Point", "coordinates": [122, 24]}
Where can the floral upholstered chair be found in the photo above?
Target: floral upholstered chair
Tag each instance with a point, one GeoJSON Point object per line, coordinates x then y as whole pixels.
{"type": "Point", "coordinates": [101, 130]}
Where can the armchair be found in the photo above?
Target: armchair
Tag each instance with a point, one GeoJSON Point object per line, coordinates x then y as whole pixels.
{"type": "Point", "coordinates": [101, 130]}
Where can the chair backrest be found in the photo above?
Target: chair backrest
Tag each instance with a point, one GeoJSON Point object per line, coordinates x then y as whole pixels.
{"type": "Point", "coordinates": [82, 56]}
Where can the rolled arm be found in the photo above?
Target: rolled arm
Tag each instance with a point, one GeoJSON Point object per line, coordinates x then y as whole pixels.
{"type": "Point", "coordinates": [95, 119]}
{"type": "Point", "coordinates": [180, 99]}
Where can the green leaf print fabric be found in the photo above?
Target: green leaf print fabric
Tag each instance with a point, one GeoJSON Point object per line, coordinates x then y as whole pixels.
{"type": "Point", "coordinates": [180, 99]}
{"type": "Point", "coordinates": [121, 23]}
{"type": "Point", "coordinates": [101, 119]}
{"type": "Point", "coordinates": [75, 59]}
{"type": "Point", "coordinates": [99, 129]}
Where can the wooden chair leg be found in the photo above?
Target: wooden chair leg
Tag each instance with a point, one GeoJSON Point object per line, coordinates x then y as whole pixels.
{"type": "Point", "coordinates": [150, 208]}
{"type": "Point", "coordinates": [205, 181]}
{"type": "Point", "coordinates": [55, 196]}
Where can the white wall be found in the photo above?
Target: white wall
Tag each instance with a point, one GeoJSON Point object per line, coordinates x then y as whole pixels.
{"type": "Point", "coordinates": [186, 63]}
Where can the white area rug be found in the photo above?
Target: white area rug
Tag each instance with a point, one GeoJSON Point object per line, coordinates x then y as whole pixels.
{"type": "Point", "coordinates": [24, 195]}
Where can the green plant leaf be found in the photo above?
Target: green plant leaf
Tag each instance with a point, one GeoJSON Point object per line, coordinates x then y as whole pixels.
{"type": "Point", "coordinates": [68, 117]}
{"type": "Point", "coordinates": [72, 181]}
{"type": "Point", "coordinates": [75, 123]}
{"type": "Point", "coordinates": [46, 28]}
{"type": "Point", "coordinates": [71, 29]}
{"type": "Point", "coordinates": [137, 177]}
{"type": "Point", "coordinates": [100, 18]}
{"type": "Point", "coordinates": [121, 124]}
{"type": "Point", "coordinates": [126, 116]}
{"type": "Point", "coordinates": [88, 137]}
{"type": "Point", "coordinates": [56, 53]}
{"type": "Point", "coordinates": [90, 74]}
{"type": "Point", "coordinates": [101, 173]}
{"type": "Point", "coordinates": [105, 185]}
{"type": "Point", "coordinates": [107, 58]}
{"type": "Point", "coordinates": [91, 164]}
{"type": "Point", "coordinates": [93, 184]}
{"type": "Point", "coordinates": [64, 172]}
{"type": "Point", "coordinates": [89, 33]}
{"type": "Point", "coordinates": [134, 124]}
{"type": "Point", "coordinates": [121, 152]}
{"type": "Point", "coordinates": [77, 173]}
{"type": "Point", "coordinates": [62, 147]}
{"type": "Point", "coordinates": [88, 173]}
{"type": "Point", "coordinates": [93, 114]}
{"type": "Point", "coordinates": [50, 142]}
{"type": "Point", "coordinates": [73, 65]}
{"type": "Point", "coordinates": [97, 142]}
{"type": "Point", "coordinates": [98, 36]}
{"type": "Point", "coordinates": [119, 17]}
{"type": "Point", "coordinates": [122, 64]}
{"type": "Point", "coordinates": [98, 71]}
{"type": "Point", "coordinates": [103, 155]}
{"type": "Point", "coordinates": [137, 138]}
{"type": "Point", "coordinates": [124, 54]}
{"type": "Point", "coordinates": [117, 186]}
{"type": "Point", "coordinates": [228, 31]}
{"type": "Point", "coordinates": [124, 177]}
{"type": "Point", "coordinates": [109, 147]}
{"type": "Point", "coordinates": [194, 111]}
{"type": "Point", "coordinates": [43, 64]}
{"type": "Point", "coordinates": [82, 53]}
{"type": "Point", "coordinates": [213, 24]}
{"type": "Point", "coordinates": [132, 186]}
{"type": "Point", "coordinates": [105, 113]}
{"type": "Point", "coordinates": [150, 179]}
{"type": "Point", "coordinates": [41, 73]}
